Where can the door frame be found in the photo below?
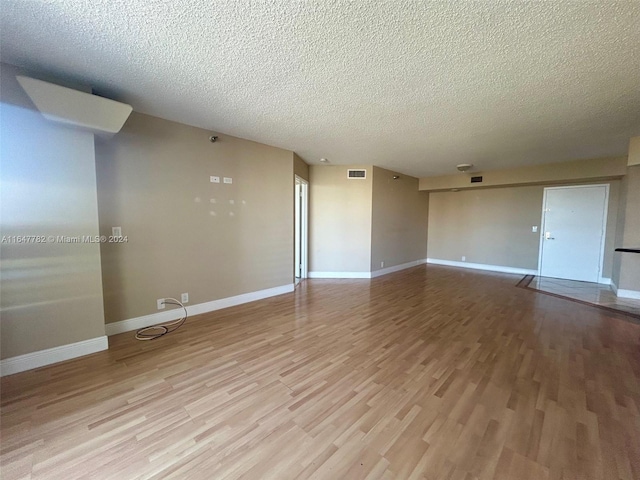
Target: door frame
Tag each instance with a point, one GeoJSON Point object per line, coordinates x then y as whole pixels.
{"type": "Point", "coordinates": [303, 240]}
{"type": "Point", "coordinates": [604, 224]}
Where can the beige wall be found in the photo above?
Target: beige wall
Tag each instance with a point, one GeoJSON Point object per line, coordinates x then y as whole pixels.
{"type": "Point", "coordinates": [493, 226]}
{"type": "Point", "coordinates": [626, 271]}
{"type": "Point", "coordinates": [610, 234]}
{"type": "Point", "coordinates": [51, 292]}
{"type": "Point", "coordinates": [300, 168]}
{"type": "Point", "coordinates": [619, 235]}
{"type": "Point", "coordinates": [551, 173]}
{"type": "Point", "coordinates": [339, 220]}
{"type": "Point", "coordinates": [399, 220]}
{"type": "Point", "coordinates": [634, 151]}
{"type": "Point", "coordinates": [187, 234]}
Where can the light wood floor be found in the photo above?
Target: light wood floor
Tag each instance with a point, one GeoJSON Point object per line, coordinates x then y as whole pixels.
{"type": "Point", "coordinates": [433, 373]}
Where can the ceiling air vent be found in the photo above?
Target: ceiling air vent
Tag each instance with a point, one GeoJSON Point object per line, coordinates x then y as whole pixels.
{"type": "Point", "coordinates": [359, 174]}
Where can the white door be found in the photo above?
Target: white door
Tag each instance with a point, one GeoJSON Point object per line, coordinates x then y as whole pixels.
{"type": "Point", "coordinates": [573, 228]}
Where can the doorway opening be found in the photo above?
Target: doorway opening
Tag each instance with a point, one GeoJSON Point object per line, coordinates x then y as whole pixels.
{"type": "Point", "coordinates": [574, 222]}
{"type": "Point", "coordinates": [300, 268]}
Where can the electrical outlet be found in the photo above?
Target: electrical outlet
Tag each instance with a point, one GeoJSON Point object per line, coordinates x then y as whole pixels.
{"type": "Point", "coordinates": [214, 179]}
{"type": "Point", "coordinates": [534, 229]}
{"type": "Point", "coordinates": [227, 180]}
{"type": "Point", "coordinates": [116, 232]}
{"type": "Point", "coordinates": [184, 298]}
{"type": "Point", "coordinates": [382, 264]}
{"type": "Point", "coordinates": [464, 259]}
{"type": "Point", "coordinates": [160, 303]}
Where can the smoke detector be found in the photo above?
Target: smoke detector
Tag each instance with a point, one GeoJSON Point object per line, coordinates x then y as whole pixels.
{"type": "Point", "coordinates": [463, 167]}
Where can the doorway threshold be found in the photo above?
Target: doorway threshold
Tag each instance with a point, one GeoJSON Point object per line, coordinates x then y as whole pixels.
{"type": "Point", "coordinates": [594, 294]}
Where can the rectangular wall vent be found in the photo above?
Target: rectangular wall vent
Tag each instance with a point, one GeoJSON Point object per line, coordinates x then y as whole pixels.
{"type": "Point", "coordinates": [356, 173]}
{"type": "Point", "coordinates": [476, 179]}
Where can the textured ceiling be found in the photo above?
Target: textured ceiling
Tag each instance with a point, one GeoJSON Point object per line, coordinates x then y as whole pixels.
{"type": "Point", "coordinates": [413, 86]}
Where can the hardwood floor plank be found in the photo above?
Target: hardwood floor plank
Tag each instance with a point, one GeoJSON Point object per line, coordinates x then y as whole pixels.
{"type": "Point", "coordinates": [429, 373]}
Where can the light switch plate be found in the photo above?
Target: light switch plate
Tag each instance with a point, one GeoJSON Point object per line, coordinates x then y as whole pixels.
{"type": "Point", "coordinates": [214, 179]}
{"type": "Point", "coordinates": [228, 180]}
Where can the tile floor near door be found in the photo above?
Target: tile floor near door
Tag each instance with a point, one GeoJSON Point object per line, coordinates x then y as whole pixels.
{"type": "Point", "coordinates": [593, 293]}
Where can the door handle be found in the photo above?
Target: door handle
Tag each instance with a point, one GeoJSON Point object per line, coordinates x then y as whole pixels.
{"type": "Point", "coordinates": [547, 236]}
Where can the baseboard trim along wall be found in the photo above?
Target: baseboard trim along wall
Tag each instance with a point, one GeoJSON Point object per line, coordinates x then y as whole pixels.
{"type": "Point", "coordinates": [397, 268]}
{"type": "Point", "coordinates": [373, 274]}
{"type": "Point", "coordinates": [339, 274]}
{"type": "Point", "coordinates": [41, 358]}
{"type": "Point", "coordinates": [622, 293]}
{"type": "Point", "coordinates": [482, 266]}
{"type": "Point", "coordinates": [176, 313]}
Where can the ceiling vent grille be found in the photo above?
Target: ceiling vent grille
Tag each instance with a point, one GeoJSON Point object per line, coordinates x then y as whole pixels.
{"type": "Point", "coordinates": [358, 174]}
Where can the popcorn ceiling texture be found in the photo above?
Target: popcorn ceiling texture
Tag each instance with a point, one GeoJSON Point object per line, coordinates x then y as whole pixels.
{"type": "Point", "coordinates": [412, 86]}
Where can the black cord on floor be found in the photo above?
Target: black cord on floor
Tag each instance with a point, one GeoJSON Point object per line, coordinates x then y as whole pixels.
{"type": "Point", "coordinates": [157, 331]}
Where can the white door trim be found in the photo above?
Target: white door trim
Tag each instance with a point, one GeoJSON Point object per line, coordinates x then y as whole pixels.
{"type": "Point", "coordinates": [304, 226]}
{"type": "Point", "coordinates": [604, 222]}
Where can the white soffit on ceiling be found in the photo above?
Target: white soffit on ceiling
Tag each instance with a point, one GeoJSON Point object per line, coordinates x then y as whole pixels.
{"type": "Point", "coordinates": [72, 107]}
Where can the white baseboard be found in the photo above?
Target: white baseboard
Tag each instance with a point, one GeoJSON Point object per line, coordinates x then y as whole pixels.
{"type": "Point", "coordinates": [482, 266]}
{"type": "Point", "coordinates": [373, 274]}
{"type": "Point", "coordinates": [397, 268]}
{"type": "Point", "coordinates": [622, 293]}
{"type": "Point", "coordinates": [29, 361]}
{"type": "Point", "coordinates": [339, 274]}
{"type": "Point", "coordinates": [176, 313]}
{"type": "Point", "coordinates": [604, 281]}
{"type": "Point", "coordinates": [628, 293]}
